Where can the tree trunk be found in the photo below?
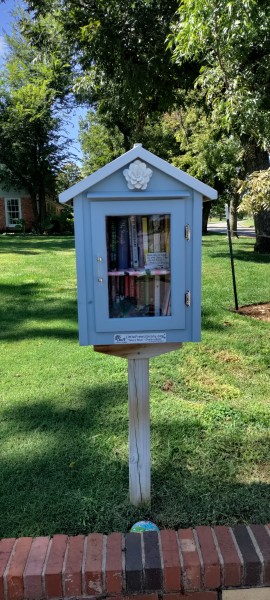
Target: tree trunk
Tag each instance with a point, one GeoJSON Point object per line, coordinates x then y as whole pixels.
{"type": "Point", "coordinates": [233, 215]}
{"type": "Point", "coordinates": [205, 216]}
{"type": "Point", "coordinates": [262, 229]}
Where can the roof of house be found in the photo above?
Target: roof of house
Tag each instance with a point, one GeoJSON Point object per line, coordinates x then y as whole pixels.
{"type": "Point", "coordinates": [137, 152]}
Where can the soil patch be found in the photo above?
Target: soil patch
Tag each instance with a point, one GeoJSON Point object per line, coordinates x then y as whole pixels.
{"type": "Point", "coordinates": [257, 311]}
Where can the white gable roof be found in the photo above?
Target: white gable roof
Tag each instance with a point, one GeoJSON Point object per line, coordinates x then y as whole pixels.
{"type": "Point", "coordinates": [137, 152]}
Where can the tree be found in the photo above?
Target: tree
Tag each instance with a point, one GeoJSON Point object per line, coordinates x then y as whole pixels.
{"type": "Point", "coordinates": [99, 145]}
{"type": "Point", "coordinates": [31, 151]}
{"type": "Point", "coordinates": [68, 175]}
{"type": "Point", "coordinates": [123, 68]}
{"type": "Point", "coordinates": [230, 40]}
{"type": "Point", "coordinates": [255, 192]}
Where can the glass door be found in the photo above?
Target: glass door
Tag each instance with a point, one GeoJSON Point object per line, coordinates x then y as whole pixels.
{"type": "Point", "coordinates": [135, 254]}
{"type": "Point", "coordinates": [139, 266]}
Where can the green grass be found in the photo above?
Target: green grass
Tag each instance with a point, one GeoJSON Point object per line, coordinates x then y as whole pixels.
{"type": "Point", "coordinates": [63, 409]}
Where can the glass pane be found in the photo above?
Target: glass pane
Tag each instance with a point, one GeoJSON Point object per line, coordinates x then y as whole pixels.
{"type": "Point", "coordinates": [13, 211]}
{"type": "Point", "coordinates": [139, 269]}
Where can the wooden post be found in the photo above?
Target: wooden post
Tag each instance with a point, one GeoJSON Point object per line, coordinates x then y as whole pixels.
{"type": "Point", "coordinates": [139, 411]}
{"type": "Point", "coordinates": [139, 431]}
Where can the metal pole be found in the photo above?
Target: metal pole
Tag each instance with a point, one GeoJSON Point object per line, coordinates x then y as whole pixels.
{"type": "Point", "coordinates": [231, 255]}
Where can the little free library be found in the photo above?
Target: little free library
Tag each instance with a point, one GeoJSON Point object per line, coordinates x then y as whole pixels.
{"type": "Point", "coordinates": [138, 230]}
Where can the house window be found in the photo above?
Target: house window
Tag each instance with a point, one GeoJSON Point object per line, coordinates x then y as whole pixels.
{"type": "Point", "coordinates": [13, 211]}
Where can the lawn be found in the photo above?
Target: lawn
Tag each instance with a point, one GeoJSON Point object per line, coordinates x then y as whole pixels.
{"type": "Point", "coordinates": [63, 408]}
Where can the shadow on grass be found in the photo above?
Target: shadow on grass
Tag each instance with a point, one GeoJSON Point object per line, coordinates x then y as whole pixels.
{"type": "Point", "coordinates": [241, 255]}
{"type": "Point", "coordinates": [23, 302]}
{"type": "Point", "coordinates": [209, 320]}
{"type": "Point", "coordinates": [34, 244]}
{"type": "Point", "coordinates": [65, 469]}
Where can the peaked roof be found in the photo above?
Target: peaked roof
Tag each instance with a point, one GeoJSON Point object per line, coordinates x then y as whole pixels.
{"type": "Point", "coordinates": [137, 152]}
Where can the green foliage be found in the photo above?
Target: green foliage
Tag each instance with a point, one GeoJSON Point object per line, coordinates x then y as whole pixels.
{"type": "Point", "coordinates": [123, 67]}
{"type": "Point", "coordinates": [31, 150]}
{"type": "Point", "coordinates": [99, 144]}
{"type": "Point", "coordinates": [60, 224]}
{"type": "Point", "coordinates": [255, 191]}
{"type": "Point", "coordinates": [69, 174]}
{"type": "Point", "coordinates": [231, 42]}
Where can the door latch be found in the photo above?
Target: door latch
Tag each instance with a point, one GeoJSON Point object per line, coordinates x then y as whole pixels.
{"type": "Point", "coordinates": [187, 298]}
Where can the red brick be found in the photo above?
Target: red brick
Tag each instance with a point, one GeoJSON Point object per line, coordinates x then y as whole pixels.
{"type": "Point", "coordinates": [6, 547]}
{"type": "Point", "coordinates": [72, 574]}
{"type": "Point", "coordinates": [114, 563]}
{"type": "Point", "coordinates": [232, 569]}
{"type": "Point", "coordinates": [14, 575]}
{"type": "Point", "coordinates": [33, 570]}
{"type": "Point", "coordinates": [54, 566]}
{"type": "Point", "coordinates": [171, 561]}
{"type": "Point", "coordinates": [211, 565]}
{"type": "Point", "coordinates": [263, 540]}
{"type": "Point", "coordinates": [191, 560]}
{"type": "Point", "coordinates": [93, 564]}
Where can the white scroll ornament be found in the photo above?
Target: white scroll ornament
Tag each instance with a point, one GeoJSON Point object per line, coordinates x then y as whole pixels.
{"type": "Point", "coordinates": [137, 175]}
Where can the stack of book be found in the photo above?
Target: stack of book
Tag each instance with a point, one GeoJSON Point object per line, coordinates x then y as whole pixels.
{"type": "Point", "coordinates": [138, 253]}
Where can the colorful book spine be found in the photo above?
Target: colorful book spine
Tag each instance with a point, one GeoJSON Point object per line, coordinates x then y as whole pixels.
{"type": "Point", "coordinates": [121, 287]}
{"type": "Point", "coordinates": [145, 238]}
{"type": "Point", "coordinates": [112, 256]}
{"type": "Point", "coordinates": [122, 243]}
{"type": "Point", "coordinates": [132, 287]}
{"type": "Point", "coordinates": [134, 242]}
{"type": "Point", "coordinates": [113, 289]}
{"type": "Point", "coordinates": [140, 242]}
{"type": "Point", "coordinates": [166, 298]}
{"type": "Point", "coordinates": [126, 286]}
{"type": "Point", "coordinates": [167, 234]}
{"type": "Point", "coordinates": [157, 296]}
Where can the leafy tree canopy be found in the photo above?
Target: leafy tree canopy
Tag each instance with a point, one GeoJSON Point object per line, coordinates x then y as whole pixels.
{"type": "Point", "coordinates": [31, 148]}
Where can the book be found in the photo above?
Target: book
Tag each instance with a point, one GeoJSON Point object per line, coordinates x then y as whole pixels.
{"type": "Point", "coordinates": [145, 237]}
{"type": "Point", "coordinates": [126, 286]}
{"type": "Point", "coordinates": [122, 243]}
{"type": "Point", "coordinates": [157, 296]}
{"type": "Point", "coordinates": [134, 256]}
{"type": "Point", "coordinates": [167, 234]}
{"type": "Point", "coordinates": [111, 242]}
{"type": "Point", "coordinates": [132, 287]}
{"type": "Point", "coordinates": [166, 297]}
{"type": "Point", "coordinates": [113, 289]}
{"type": "Point", "coordinates": [140, 242]}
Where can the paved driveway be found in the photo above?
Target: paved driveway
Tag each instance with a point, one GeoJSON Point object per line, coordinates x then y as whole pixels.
{"type": "Point", "coordinates": [221, 227]}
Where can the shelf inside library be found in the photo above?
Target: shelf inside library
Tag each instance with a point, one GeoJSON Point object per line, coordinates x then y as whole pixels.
{"type": "Point", "coordinates": [141, 273]}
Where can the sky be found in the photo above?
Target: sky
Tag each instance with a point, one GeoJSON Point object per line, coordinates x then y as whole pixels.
{"type": "Point", "coordinates": [71, 128]}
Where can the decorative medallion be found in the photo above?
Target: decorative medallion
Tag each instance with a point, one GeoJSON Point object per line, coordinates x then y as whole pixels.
{"type": "Point", "coordinates": [137, 175]}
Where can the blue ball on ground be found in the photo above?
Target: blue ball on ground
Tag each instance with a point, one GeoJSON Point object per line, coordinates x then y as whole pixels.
{"type": "Point", "coordinates": [142, 526]}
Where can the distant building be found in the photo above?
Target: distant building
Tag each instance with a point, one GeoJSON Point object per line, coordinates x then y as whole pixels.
{"type": "Point", "coordinates": [16, 205]}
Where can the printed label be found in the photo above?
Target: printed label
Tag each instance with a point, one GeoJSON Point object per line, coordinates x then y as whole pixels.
{"type": "Point", "coordinates": [140, 338]}
{"type": "Point", "coordinates": [157, 260]}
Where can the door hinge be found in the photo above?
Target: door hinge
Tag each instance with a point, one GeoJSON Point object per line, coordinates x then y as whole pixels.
{"type": "Point", "coordinates": [187, 298]}
{"type": "Point", "coordinates": [187, 232]}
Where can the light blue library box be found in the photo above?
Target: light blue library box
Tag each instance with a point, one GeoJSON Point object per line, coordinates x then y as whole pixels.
{"type": "Point", "coordinates": [138, 230]}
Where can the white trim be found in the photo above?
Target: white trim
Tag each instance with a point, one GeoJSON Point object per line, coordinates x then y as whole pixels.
{"type": "Point", "coordinates": [128, 157]}
{"type": "Point", "coordinates": [11, 225]}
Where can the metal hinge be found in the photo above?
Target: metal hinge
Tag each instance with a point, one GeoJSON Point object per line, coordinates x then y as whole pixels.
{"type": "Point", "coordinates": [187, 232]}
{"type": "Point", "coordinates": [187, 298]}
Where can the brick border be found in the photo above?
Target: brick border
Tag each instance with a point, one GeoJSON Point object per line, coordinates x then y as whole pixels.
{"type": "Point", "coordinates": [189, 563]}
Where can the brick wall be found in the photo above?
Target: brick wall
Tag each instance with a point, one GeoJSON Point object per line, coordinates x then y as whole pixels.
{"type": "Point", "coordinates": [219, 563]}
{"type": "Point", "coordinates": [27, 213]}
{"type": "Point", "coordinates": [2, 215]}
